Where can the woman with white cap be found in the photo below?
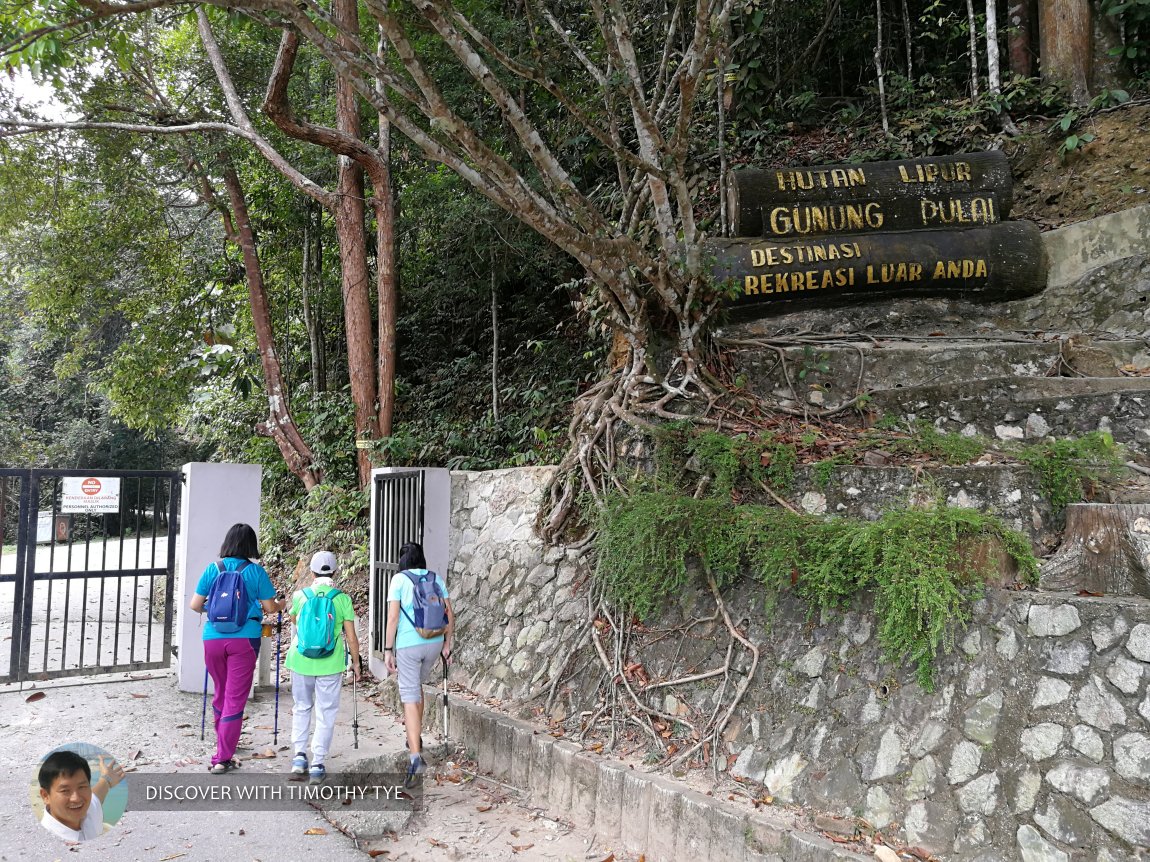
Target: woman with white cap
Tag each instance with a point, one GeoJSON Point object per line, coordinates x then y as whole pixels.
{"type": "Point", "coordinates": [324, 634]}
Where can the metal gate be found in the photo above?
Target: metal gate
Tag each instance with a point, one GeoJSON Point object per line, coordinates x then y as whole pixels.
{"type": "Point", "coordinates": [85, 592]}
{"type": "Point", "coordinates": [398, 520]}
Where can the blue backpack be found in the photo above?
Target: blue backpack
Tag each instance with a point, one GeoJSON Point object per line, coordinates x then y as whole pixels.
{"type": "Point", "coordinates": [429, 610]}
{"type": "Point", "coordinates": [316, 631]}
{"type": "Point", "coordinates": [227, 603]}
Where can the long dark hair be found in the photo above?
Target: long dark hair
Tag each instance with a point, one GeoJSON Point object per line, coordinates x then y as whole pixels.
{"type": "Point", "coordinates": [411, 557]}
{"type": "Point", "coordinates": [240, 542]}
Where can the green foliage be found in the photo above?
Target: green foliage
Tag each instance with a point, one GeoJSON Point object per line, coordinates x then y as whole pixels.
{"type": "Point", "coordinates": [949, 448]}
{"type": "Point", "coordinates": [731, 461]}
{"type": "Point", "coordinates": [1064, 465]}
{"type": "Point", "coordinates": [328, 518]}
{"type": "Point", "coordinates": [1133, 19]}
{"type": "Point", "coordinates": [914, 561]}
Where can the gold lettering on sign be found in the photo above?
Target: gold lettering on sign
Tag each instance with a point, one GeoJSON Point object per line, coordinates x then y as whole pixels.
{"type": "Point", "coordinates": [946, 269]}
{"type": "Point", "coordinates": [929, 172]}
{"type": "Point", "coordinates": [825, 218]}
{"type": "Point", "coordinates": [800, 281]}
{"type": "Point", "coordinates": [893, 273]}
{"type": "Point", "coordinates": [814, 253]}
{"type": "Point", "coordinates": [979, 210]}
{"type": "Point", "coordinates": [832, 178]}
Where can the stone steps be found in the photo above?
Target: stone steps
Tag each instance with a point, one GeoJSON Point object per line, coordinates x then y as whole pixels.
{"type": "Point", "coordinates": [897, 364]}
{"type": "Point", "coordinates": [1016, 408]}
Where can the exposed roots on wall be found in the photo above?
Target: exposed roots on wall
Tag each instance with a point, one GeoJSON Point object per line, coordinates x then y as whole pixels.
{"type": "Point", "coordinates": [634, 398]}
{"type": "Point", "coordinates": [624, 704]}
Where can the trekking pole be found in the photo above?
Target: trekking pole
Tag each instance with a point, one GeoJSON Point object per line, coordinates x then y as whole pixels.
{"type": "Point", "coordinates": [204, 709]}
{"type": "Point", "coordinates": [444, 699]}
{"type": "Point", "coordinates": [354, 706]}
{"type": "Point", "coordinates": [276, 723]}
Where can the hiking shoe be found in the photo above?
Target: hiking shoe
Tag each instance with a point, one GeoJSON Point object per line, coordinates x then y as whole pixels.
{"type": "Point", "coordinates": [414, 768]}
{"type": "Point", "coordinates": [224, 766]}
{"type": "Point", "coordinates": [299, 764]}
{"type": "Point", "coordinates": [317, 773]}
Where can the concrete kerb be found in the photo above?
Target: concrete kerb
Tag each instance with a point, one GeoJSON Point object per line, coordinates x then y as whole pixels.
{"type": "Point", "coordinates": [638, 812]}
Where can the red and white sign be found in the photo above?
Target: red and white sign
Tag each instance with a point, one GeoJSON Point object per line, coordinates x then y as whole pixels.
{"type": "Point", "coordinates": [90, 494]}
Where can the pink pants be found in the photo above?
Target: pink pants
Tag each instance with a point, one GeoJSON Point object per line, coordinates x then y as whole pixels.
{"type": "Point", "coordinates": [231, 664]}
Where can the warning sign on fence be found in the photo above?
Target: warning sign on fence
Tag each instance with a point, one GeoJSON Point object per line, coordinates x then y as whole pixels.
{"type": "Point", "coordinates": [90, 494]}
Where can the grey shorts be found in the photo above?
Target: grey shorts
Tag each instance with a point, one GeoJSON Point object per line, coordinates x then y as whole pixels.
{"type": "Point", "coordinates": [415, 665]}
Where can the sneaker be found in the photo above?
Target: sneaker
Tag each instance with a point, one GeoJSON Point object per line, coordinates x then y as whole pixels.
{"type": "Point", "coordinates": [317, 773]}
{"type": "Point", "coordinates": [416, 767]}
{"type": "Point", "coordinates": [299, 764]}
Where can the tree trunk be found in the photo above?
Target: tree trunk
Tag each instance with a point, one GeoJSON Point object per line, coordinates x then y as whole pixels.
{"type": "Point", "coordinates": [993, 75]}
{"type": "Point", "coordinates": [909, 35]}
{"type": "Point", "coordinates": [973, 49]}
{"type": "Point", "coordinates": [1021, 27]}
{"type": "Point", "coordinates": [280, 425]}
{"type": "Point", "coordinates": [494, 344]}
{"type": "Point", "coordinates": [1105, 549]}
{"type": "Point", "coordinates": [1066, 45]}
{"type": "Point", "coordinates": [387, 274]}
{"type": "Point", "coordinates": [312, 315]}
{"type": "Point", "coordinates": [878, 68]}
{"type": "Point", "coordinates": [350, 226]}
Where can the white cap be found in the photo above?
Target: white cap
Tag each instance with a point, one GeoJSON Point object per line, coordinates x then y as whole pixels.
{"type": "Point", "coordinates": [323, 563]}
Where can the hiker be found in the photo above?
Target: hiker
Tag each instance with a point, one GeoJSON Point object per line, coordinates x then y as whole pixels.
{"type": "Point", "coordinates": [412, 649]}
{"type": "Point", "coordinates": [73, 806]}
{"type": "Point", "coordinates": [324, 636]}
{"type": "Point", "coordinates": [233, 591]}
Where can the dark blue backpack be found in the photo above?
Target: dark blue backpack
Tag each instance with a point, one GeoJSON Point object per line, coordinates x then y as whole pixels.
{"type": "Point", "coordinates": [429, 609]}
{"type": "Point", "coordinates": [227, 603]}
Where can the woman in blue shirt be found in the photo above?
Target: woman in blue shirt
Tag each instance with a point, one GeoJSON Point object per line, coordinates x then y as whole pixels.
{"type": "Point", "coordinates": [231, 656]}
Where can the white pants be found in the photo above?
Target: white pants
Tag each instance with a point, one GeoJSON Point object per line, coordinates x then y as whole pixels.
{"type": "Point", "coordinates": [322, 692]}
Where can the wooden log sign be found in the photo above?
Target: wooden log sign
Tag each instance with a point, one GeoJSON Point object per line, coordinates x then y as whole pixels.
{"type": "Point", "coordinates": [997, 262]}
{"type": "Point", "coordinates": [943, 192]}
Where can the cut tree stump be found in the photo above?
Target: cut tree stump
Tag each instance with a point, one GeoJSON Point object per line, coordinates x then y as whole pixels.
{"type": "Point", "coordinates": [1105, 549]}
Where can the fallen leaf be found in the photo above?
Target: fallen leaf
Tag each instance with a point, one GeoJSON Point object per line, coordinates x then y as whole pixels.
{"type": "Point", "coordinates": [266, 754]}
{"type": "Point", "coordinates": [315, 830]}
{"type": "Point", "coordinates": [182, 726]}
{"type": "Point", "coordinates": [519, 848]}
{"type": "Point", "coordinates": [135, 694]}
{"type": "Point", "coordinates": [35, 696]}
{"type": "Point", "coordinates": [1089, 593]}
{"type": "Point", "coordinates": [918, 853]}
{"type": "Point", "coordinates": [610, 857]}
{"type": "Point", "coordinates": [241, 832]}
{"type": "Point", "coordinates": [373, 854]}
{"type": "Point", "coordinates": [173, 856]}
{"type": "Point", "coordinates": [435, 842]}
{"type": "Point", "coordinates": [483, 807]}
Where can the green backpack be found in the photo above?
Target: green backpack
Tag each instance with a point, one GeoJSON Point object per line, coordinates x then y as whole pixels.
{"type": "Point", "coordinates": [316, 629]}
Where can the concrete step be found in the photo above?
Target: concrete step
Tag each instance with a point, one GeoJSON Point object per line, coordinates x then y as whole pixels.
{"type": "Point", "coordinates": [1015, 408]}
{"type": "Point", "coordinates": [840, 370]}
{"type": "Point", "coordinates": [629, 809]}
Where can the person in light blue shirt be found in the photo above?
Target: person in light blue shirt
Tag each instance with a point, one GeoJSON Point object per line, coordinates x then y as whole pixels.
{"type": "Point", "coordinates": [408, 654]}
{"type": "Point", "coordinates": [231, 657]}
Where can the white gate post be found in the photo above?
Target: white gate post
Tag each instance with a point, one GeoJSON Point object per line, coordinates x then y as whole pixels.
{"type": "Point", "coordinates": [215, 497]}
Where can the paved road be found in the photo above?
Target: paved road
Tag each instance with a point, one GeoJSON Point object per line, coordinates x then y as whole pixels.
{"type": "Point", "coordinates": [148, 724]}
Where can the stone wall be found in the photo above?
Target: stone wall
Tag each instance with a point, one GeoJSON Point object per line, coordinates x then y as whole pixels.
{"type": "Point", "coordinates": [1034, 745]}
